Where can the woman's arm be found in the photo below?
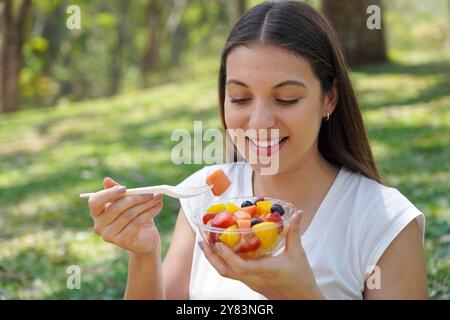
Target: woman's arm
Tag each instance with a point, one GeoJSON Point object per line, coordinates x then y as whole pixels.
{"type": "Point", "coordinates": [178, 261]}
{"type": "Point", "coordinates": [145, 277]}
{"type": "Point", "coordinates": [149, 279]}
{"type": "Point", "coordinates": [402, 268]}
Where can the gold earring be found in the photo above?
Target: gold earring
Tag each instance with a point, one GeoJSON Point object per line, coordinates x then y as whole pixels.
{"type": "Point", "coordinates": [328, 117]}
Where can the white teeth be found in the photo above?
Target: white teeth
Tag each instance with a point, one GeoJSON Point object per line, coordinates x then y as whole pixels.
{"type": "Point", "coordinates": [265, 144]}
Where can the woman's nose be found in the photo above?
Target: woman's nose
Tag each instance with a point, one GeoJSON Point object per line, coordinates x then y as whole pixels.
{"type": "Point", "coordinates": [262, 116]}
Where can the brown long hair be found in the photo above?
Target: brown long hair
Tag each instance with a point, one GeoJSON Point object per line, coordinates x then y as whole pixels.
{"type": "Point", "coordinates": [304, 31]}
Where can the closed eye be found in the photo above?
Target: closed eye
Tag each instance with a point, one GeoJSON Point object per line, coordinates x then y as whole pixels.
{"type": "Point", "coordinates": [286, 102]}
{"type": "Point", "coordinates": [240, 101]}
{"type": "Point", "coordinates": [279, 101]}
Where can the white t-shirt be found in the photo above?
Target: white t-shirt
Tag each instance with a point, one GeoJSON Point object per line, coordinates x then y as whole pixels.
{"type": "Point", "coordinates": [355, 223]}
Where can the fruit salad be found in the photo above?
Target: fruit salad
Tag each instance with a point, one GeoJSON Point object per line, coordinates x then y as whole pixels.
{"type": "Point", "coordinates": [251, 227]}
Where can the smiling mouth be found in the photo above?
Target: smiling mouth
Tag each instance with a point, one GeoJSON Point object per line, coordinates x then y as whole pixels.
{"type": "Point", "coordinates": [266, 144]}
{"type": "Point", "coordinates": [266, 148]}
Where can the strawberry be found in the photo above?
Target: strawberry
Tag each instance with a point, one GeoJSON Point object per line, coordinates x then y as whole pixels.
{"type": "Point", "coordinates": [223, 220]}
{"type": "Point", "coordinates": [207, 217]}
{"type": "Point", "coordinates": [250, 245]}
{"type": "Point", "coordinates": [213, 237]}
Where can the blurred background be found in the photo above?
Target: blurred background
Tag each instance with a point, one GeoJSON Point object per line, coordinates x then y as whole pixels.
{"type": "Point", "coordinates": [102, 100]}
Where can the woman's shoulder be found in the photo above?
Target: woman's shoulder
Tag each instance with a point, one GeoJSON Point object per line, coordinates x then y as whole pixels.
{"type": "Point", "coordinates": [375, 204]}
{"type": "Point", "coordinates": [372, 193]}
{"type": "Point", "coordinates": [377, 213]}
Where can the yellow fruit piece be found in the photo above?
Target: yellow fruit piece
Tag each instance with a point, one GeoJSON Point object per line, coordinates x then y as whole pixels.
{"type": "Point", "coordinates": [263, 207]}
{"type": "Point", "coordinates": [229, 238]}
{"type": "Point", "coordinates": [266, 232]}
{"type": "Point", "coordinates": [231, 207]}
{"type": "Point", "coordinates": [216, 208]}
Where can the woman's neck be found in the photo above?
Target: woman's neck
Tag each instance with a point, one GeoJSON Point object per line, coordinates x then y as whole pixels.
{"type": "Point", "coordinates": [305, 184]}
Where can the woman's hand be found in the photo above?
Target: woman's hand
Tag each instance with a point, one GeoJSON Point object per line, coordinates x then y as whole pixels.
{"type": "Point", "coordinates": [126, 221]}
{"type": "Point", "coordinates": [286, 276]}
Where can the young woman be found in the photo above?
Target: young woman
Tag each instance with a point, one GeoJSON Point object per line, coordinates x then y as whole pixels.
{"type": "Point", "coordinates": [282, 69]}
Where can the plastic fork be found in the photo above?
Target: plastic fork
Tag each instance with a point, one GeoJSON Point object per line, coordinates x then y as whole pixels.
{"type": "Point", "coordinates": [172, 191]}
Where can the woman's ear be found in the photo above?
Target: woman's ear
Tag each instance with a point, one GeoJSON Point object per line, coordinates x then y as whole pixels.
{"type": "Point", "coordinates": [331, 100]}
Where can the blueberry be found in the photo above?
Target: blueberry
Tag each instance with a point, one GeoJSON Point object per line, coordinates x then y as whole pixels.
{"type": "Point", "coordinates": [256, 221]}
{"type": "Point", "coordinates": [277, 208]}
{"type": "Point", "coordinates": [259, 199]}
{"type": "Point", "coordinates": [246, 203]}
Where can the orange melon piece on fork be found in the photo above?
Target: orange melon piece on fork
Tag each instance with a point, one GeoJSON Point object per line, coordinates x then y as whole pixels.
{"type": "Point", "coordinates": [220, 182]}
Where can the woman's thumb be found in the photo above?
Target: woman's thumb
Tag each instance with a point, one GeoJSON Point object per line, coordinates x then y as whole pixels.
{"type": "Point", "coordinates": [293, 235]}
{"type": "Point", "coordinates": [109, 183]}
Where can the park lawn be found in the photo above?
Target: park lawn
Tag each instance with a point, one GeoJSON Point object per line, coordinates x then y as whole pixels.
{"type": "Point", "coordinates": [48, 156]}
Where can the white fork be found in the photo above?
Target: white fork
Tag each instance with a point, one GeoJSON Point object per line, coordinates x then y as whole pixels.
{"type": "Point", "coordinates": [172, 191]}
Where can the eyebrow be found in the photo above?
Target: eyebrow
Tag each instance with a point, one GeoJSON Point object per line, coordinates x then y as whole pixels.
{"type": "Point", "coordinates": [290, 83]}
{"type": "Point", "coordinates": [281, 84]}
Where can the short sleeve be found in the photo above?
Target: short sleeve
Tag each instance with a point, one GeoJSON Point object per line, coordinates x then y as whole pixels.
{"type": "Point", "coordinates": [386, 218]}
{"type": "Point", "coordinates": [189, 205]}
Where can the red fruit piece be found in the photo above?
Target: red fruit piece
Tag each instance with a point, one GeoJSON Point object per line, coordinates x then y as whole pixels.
{"type": "Point", "coordinates": [213, 237]}
{"type": "Point", "coordinates": [223, 220]}
{"type": "Point", "coordinates": [250, 245]}
{"type": "Point", "coordinates": [207, 217]}
{"type": "Point", "coordinates": [275, 217]}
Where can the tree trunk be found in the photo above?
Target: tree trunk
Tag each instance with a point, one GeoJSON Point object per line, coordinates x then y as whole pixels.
{"type": "Point", "coordinates": [55, 35]}
{"type": "Point", "coordinates": [8, 78]}
{"type": "Point", "coordinates": [117, 63]}
{"type": "Point", "coordinates": [11, 57]}
{"type": "Point", "coordinates": [175, 17]}
{"type": "Point", "coordinates": [151, 54]}
{"type": "Point", "coordinates": [175, 33]}
{"type": "Point", "coordinates": [361, 45]}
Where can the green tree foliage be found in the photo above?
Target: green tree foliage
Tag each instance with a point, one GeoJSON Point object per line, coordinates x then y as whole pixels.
{"type": "Point", "coordinates": [121, 45]}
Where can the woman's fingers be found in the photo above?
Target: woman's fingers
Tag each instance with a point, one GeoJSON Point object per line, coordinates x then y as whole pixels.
{"type": "Point", "coordinates": [109, 183]}
{"type": "Point", "coordinates": [98, 200]}
{"type": "Point", "coordinates": [132, 229]}
{"type": "Point", "coordinates": [118, 207]}
{"type": "Point", "coordinates": [126, 217]}
{"type": "Point", "coordinates": [236, 263]}
{"type": "Point", "coordinates": [217, 262]}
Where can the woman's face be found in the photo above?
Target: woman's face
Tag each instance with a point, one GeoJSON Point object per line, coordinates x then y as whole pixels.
{"type": "Point", "coordinates": [268, 87]}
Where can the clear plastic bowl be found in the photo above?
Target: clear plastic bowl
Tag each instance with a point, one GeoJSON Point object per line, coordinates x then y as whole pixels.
{"type": "Point", "coordinates": [271, 236]}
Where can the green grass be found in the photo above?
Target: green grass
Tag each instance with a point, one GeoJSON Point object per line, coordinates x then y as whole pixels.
{"type": "Point", "coordinates": [48, 156]}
